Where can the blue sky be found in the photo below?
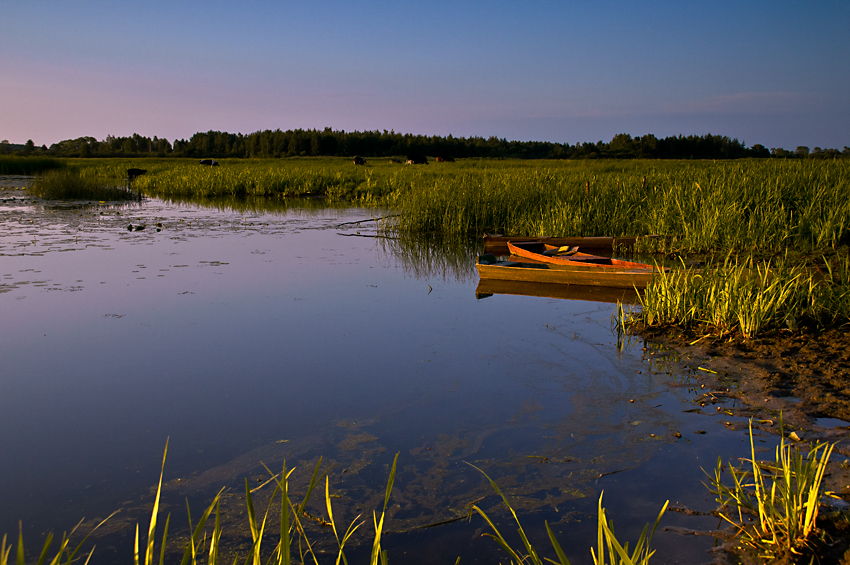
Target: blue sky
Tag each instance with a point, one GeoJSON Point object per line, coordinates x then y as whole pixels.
{"type": "Point", "coordinates": [775, 73]}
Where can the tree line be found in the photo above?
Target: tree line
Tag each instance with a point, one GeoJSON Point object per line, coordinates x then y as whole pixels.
{"type": "Point", "coordinates": [328, 142]}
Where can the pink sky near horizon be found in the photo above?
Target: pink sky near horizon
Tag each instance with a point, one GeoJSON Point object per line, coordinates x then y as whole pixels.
{"type": "Point", "coordinates": [773, 73]}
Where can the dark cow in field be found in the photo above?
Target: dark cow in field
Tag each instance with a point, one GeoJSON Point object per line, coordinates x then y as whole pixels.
{"type": "Point", "coordinates": [417, 160]}
{"type": "Point", "coordinates": [133, 173]}
{"type": "Point", "coordinates": [394, 161]}
{"type": "Point", "coordinates": [445, 159]}
{"type": "Point", "coordinates": [209, 162]}
{"type": "Point", "coordinates": [359, 161]}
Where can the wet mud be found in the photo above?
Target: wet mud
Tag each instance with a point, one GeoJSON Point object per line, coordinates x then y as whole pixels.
{"type": "Point", "coordinates": [792, 382]}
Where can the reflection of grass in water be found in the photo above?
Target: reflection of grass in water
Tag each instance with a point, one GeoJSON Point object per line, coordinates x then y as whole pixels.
{"type": "Point", "coordinates": [434, 255]}
{"type": "Point", "coordinates": [71, 185]}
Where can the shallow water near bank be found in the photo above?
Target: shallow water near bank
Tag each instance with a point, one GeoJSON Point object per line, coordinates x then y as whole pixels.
{"type": "Point", "coordinates": [249, 336]}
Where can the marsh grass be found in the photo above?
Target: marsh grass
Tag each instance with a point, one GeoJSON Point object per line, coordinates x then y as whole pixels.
{"type": "Point", "coordinates": [765, 205]}
{"type": "Point", "coordinates": [707, 207]}
{"type": "Point", "coordinates": [70, 184]}
{"type": "Point", "coordinates": [15, 165]}
{"type": "Point", "coordinates": [746, 296]}
{"type": "Point", "coordinates": [783, 495]}
{"type": "Point", "coordinates": [262, 178]}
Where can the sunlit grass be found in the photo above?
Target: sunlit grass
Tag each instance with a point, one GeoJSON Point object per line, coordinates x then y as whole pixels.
{"type": "Point", "coordinates": [204, 544]}
{"type": "Point", "coordinates": [745, 296]}
{"type": "Point", "coordinates": [783, 495]}
{"type": "Point", "coordinates": [706, 207]}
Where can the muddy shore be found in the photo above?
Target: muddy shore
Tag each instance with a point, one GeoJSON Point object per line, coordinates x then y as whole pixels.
{"type": "Point", "coordinates": [801, 377]}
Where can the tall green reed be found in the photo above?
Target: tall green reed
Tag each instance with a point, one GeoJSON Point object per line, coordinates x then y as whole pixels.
{"type": "Point", "coordinates": [70, 184]}
{"type": "Point", "coordinates": [15, 165]}
{"type": "Point", "coordinates": [746, 296]}
{"type": "Point", "coordinates": [204, 545]}
{"type": "Point", "coordinates": [738, 205]}
{"type": "Point", "coordinates": [783, 494]}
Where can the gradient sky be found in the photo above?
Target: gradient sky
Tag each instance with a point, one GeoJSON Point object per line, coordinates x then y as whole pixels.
{"type": "Point", "coordinates": [775, 73]}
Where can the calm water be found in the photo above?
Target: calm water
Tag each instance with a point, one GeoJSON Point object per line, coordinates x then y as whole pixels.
{"type": "Point", "coordinates": [258, 336]}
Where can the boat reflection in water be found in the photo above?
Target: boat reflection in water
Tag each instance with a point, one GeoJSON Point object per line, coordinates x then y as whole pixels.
{"type": "Point", "coordinates": [489, 287]}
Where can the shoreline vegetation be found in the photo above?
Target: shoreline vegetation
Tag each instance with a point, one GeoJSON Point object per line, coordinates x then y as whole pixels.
{"type": "Point", "coordinates": [760, 244]}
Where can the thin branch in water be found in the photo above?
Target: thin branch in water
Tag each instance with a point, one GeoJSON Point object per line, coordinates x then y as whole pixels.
{"type": "Point", "coordinates": [368, 220]}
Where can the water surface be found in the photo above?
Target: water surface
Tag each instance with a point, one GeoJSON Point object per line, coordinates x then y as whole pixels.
{"type": "Point", "coordinates": [249, 335]}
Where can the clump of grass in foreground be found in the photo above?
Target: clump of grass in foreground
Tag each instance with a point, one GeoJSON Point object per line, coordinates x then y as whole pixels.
{"type": "Point", "coordinates": [747, 296]}
{"type": "Point", "coordinates": [607, 543]}
{"type": "Point", "coordinates": [205, 545]}
{"type": "Point", "coordinates": [784, 494]}
{"type": "Point", "coordinates": [70, 185]}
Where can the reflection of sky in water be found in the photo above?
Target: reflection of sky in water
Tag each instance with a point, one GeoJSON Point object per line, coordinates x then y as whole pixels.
{"type": "Point", "coordinates": [229, 333]}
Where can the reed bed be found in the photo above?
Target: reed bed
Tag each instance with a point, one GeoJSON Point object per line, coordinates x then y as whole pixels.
{"type": "Point", "coordinates": [253, 179]}
{"type": "Point", "coordinates": [743, 205]}
{"type": "Point", "coordinates": [746, 296]}
{"type": "Point", "coordinates": [70, 184]}
{"type": "Point", "coordinates": [16, 165]}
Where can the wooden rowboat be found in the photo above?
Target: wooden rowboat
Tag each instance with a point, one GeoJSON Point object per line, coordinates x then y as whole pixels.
{"type": "Point", "coordinates": [571, 257]}
{"type": "Point", "coordinates": [577, 269]}
{"type": "Point", "coordinates": [560, 274]}
{"type": "Point", "coordinates": [498, 244]}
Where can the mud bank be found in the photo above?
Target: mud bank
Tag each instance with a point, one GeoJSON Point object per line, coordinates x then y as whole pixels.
{"type": "Point", "coordinates": [802, 378]}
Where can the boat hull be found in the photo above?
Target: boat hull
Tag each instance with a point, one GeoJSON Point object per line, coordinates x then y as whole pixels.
{"type": "Point", "coordinates": [557, 274]}
{"type": "Point", "coordinates": [534, 251]}
{"type": "Point", "coordinates": [488, 287]}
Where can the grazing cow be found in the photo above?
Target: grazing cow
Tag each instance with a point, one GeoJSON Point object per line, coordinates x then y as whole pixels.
{"type": "Point", "coordinates": [359, 160]}
{"type": "Point", "coordinates": [394, 161]}
{"type": "Point", "coordinates": [209, 162]}
{"type": "Point", "coordinates": [417, 160]}
{"type": "Point", "coordinates": [133, 173]}
{"type": "Point", "coordinates": [445, 159]}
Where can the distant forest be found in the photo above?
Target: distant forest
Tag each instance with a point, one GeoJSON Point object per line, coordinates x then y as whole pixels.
{"type": "Point", "coordinates": [329, 142]}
